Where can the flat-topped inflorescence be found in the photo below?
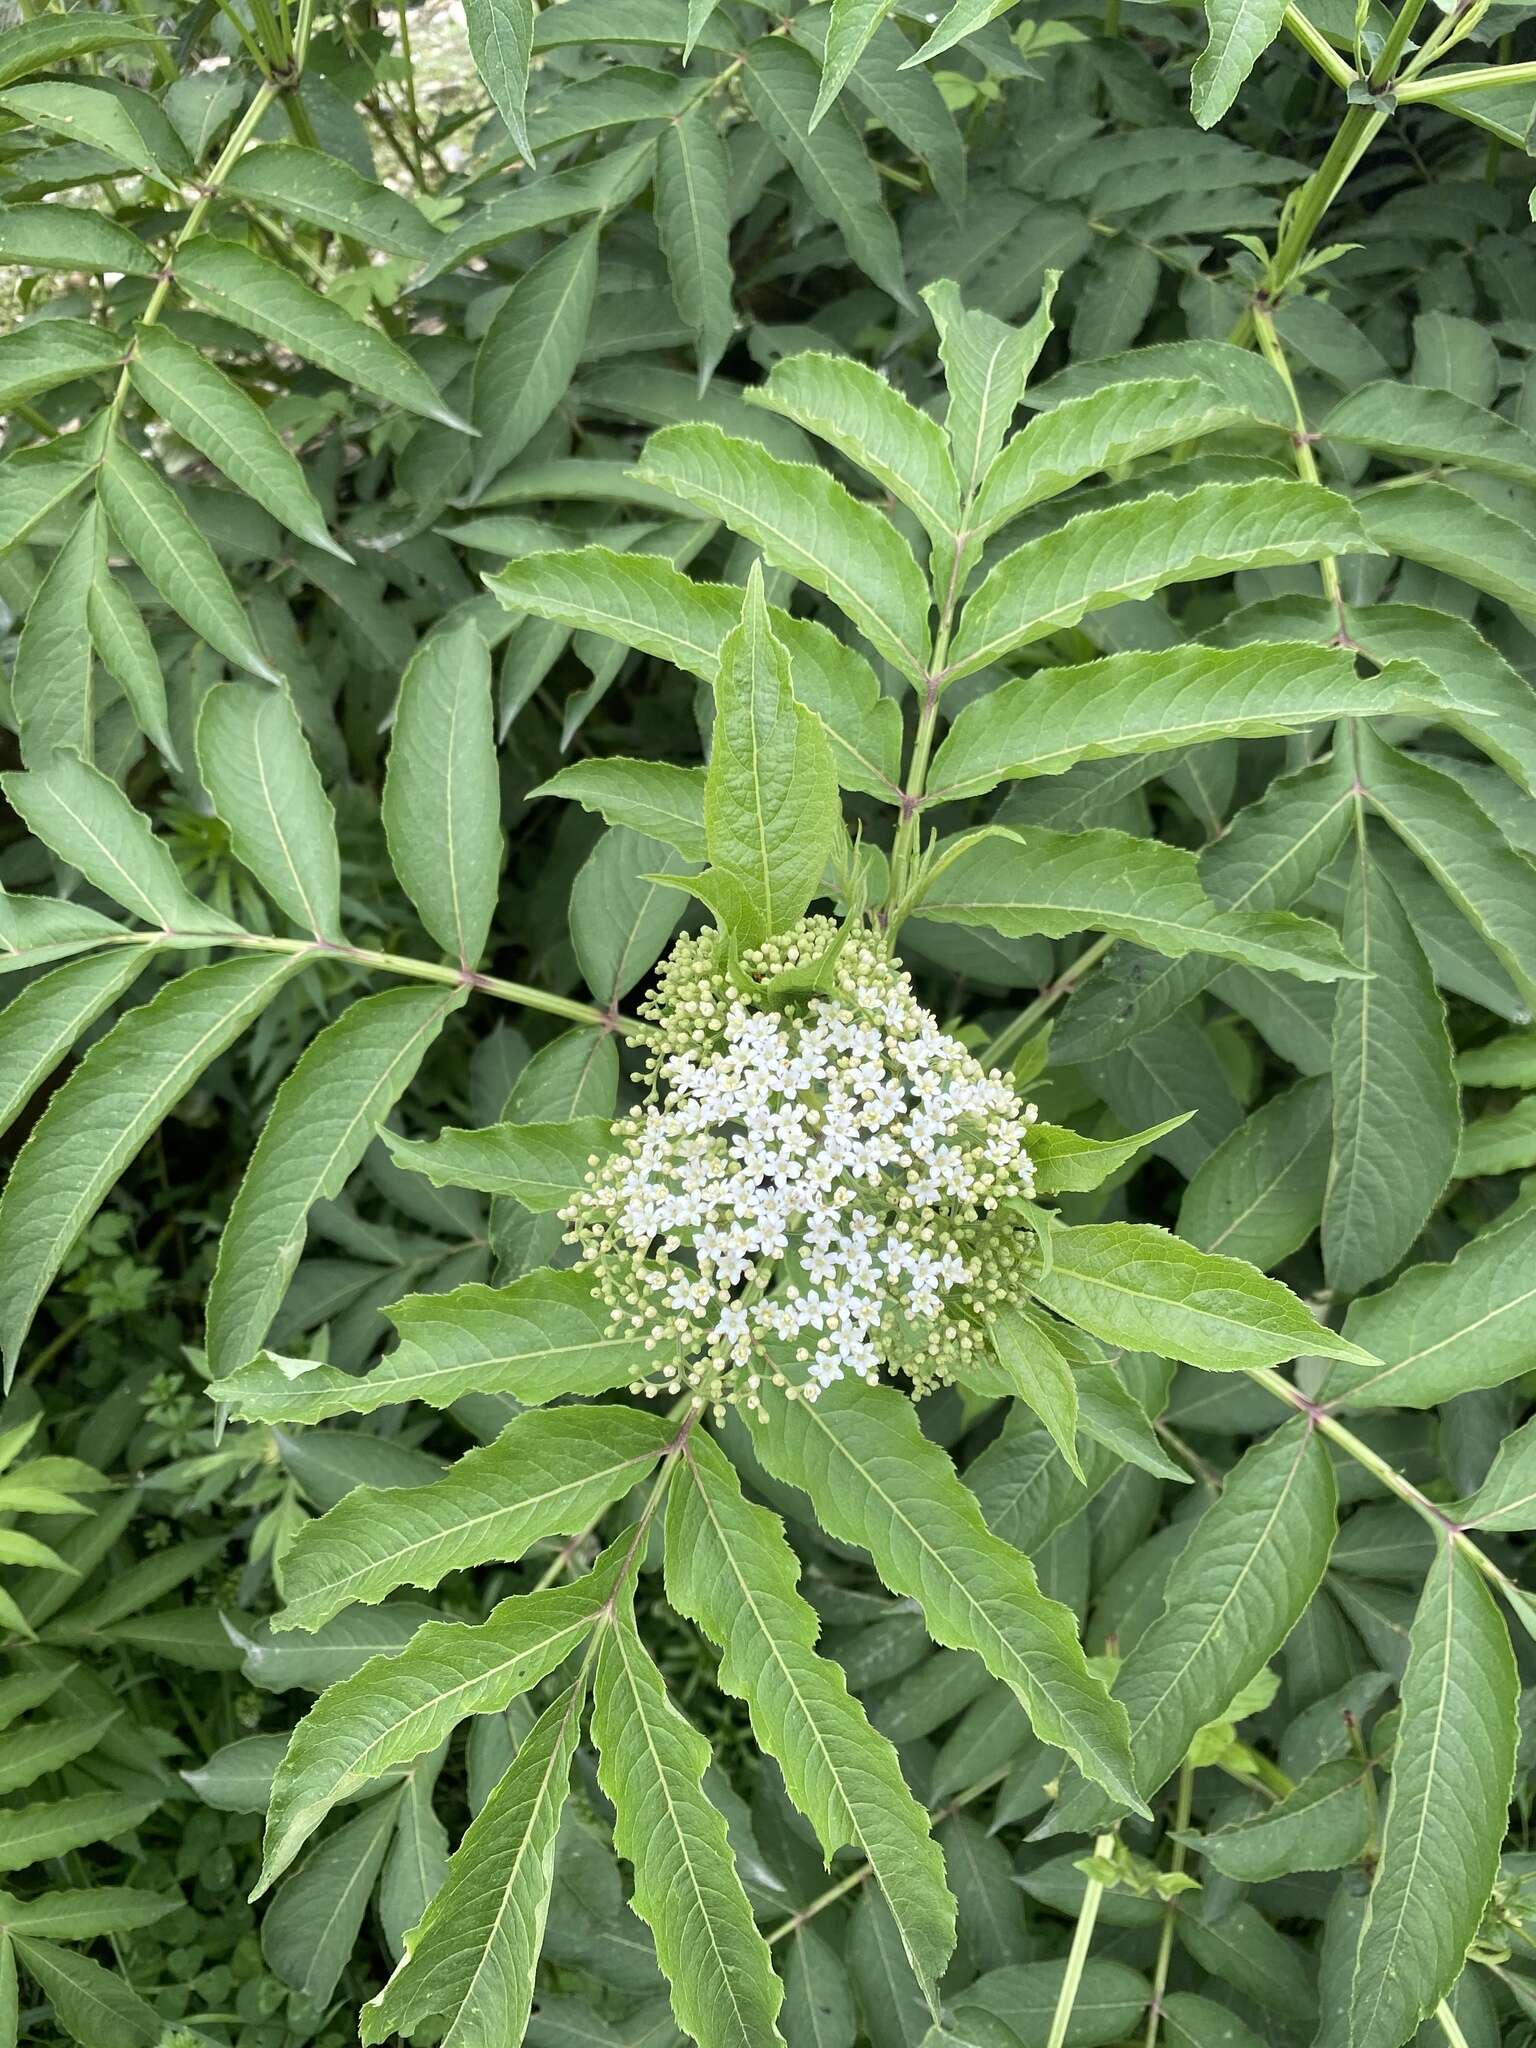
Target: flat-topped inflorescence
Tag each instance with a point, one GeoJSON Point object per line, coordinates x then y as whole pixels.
{"type": "Point", "coordinates": [815, 1186]}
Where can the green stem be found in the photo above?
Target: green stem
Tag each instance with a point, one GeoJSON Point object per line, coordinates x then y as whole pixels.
{"type": "Point", "coordinates": [855, 1878]}
{"type": "Point", "coordinates": [1165, 1937]}
{"type": "Point", "coordinates": [904, 847]}
{"type": "Point", "coordinates": [412, 111]}
{"type": "Point", "coordinates": [1487, 79]}
{"type": "Point", "coordinates": [1385, 67]}
{"type": "Point", "coordinates": [1356, 132]}
{"type": "Point", "coordinates": [520, 992]}
{"type": "Point", "coordinates": [249, 122]}
{"type": "Point", "coordinates": [1495, 151]}
{"type": "Point", "coordinates": [298, 119]}
{"type": "Point", "coordinates": [1388, 1476]}
{"type": "Point", "coordinates": [1319, 49]}
{"type": "Point", "coordinates": [908, 829]}
{"type": "Point", "coordinates": [1301, 442]}
{"type": "Point", "coordinates": [1449, 2026]}
{"type": "Point", "coordinates": [165, 63]}
{"type": "Point", "coordinates": [1077, 1955]}
{"type": "Point", "coordinates": [45, 1357]}
{"type": "Point", "coordinates": [252, 48]}
{"type": "Point", "coordinates": [303, 32]}
{"type": "Point", "coordinates": [569, 1550]}
{"type": "Point", "coordinates": [1451, 29]}
{"type": "Point", "coordinates": [268, 34]}
{"type": "Point", "coordinates": [1013, 1035]}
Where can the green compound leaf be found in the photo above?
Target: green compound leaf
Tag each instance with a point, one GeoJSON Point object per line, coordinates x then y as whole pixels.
{"type": "Point", "coordinates": [112, 1103]}
{"type": "Point", "coordinates": [530, 351]}
{"type": "Point", "coordinates": [1324, 1823]}
{"type": "Point", "coordinates": [1068, 1163]}
{"type": "Point", "coordinates": [322, 1122]}
{"type": "Point", "coordinates": [730, 1569]}
{"type": "Point", "coordinates": [651, 1764]}
{"type": "Point", "coordinates": [877, 1481]}
{"type": "Point", "coordinates": [1240, 31]}
{"type": "Point", "coordinates": [1436, 427]}
{"type": "Point", "coordinates": [85, 1913]}
{"type": "Point", "coordinates": [549, 1473]}
{"type": "Point", "coordinates": [1126, 551]}
{"type": "Point", "coordinates": [270, 301]}
{"type": "Point", "coordinates": [257, 767]}
{"type": "Point", "coordinates": [72, 238]}
{"type": "Point", "coordinates": [127, 125]}
{"type": "Point", "coordinates": [471, 1961]}
{"type": "Point", "coordinates": [126, 650]}
{"type": "Point", "coordinates": [771, 808]}
{"type": "Point", "coordinates": [210, 411]}
{"type": "Point", "coordinates": [37, 483]}
{"type": "Point", "coordinates": [851, 25]}
{"type": "Point", "coordinates": [1134, 1285]}
{"type": "Point", "coordinates": [1149, 703]}
{"type": "Point", "coordinates": [312, 185]}
{"type": "Point", "coordinates": [1396, 1106]}
{"type": "Point", "coordinates": [1039, 1373]}
{"type": "Point", "coordinates": [1259, 1196]}
{"type": "Point", "coordinates": [1271, 852]}
{"type": "Point", "coordinates": [53, 1827]}
{"type": "Point", "coordinates": [986, 367]}
{"type": "Point", "coordinates": [1451, 1776]}
{"type": "Point", "coordinates": [38, 1027]}
{"type": "Point", "coordinates": [1108, 2005]}
{"type": "Point", "coordinates": [1489, 701]}
{"type": "Point", "coordinates": [1503, 1143]}
{"type": "Point", "coordinates": [1439, 1331]}
{"type": "Point", "coordinates": [310, 1930]}
{"type": "Point", "coordinates": [1239, 1586]}
{"type": "Point", "coordinates": [163, 538]}
{"type": "Point", "coordinates": [1488, 881]}
{"type": "Point", "coordinates": [544, 1335]}
{"type": "Point", "coordinates": [1085, 435]}
{"type": "Point", "coordinates": [442, 792]}
{"type": "Point", "coordinates": [1111, 1415]}
{"type": "Point", "coordinates": [692, 200]}
{"type": "Point", "coordinates": [640, 599]}
{"type": "Point", "coordinates": [1029, 879]}
{"type": "Point", "coordinates": [90, 2003]}
{"type": "Point", "coordinates": [401, 1706]}
{"type": "Point", "coordinates": [51, 678]}
{"type": "Point", "coordinates": [653, 797]}
{"type": "Point", "coordinates": [1446, 529]}
{"type": "Point", "coordinates": [1507, 1497]}
{"type": "Point", "coordinates": [624, 907]}
{"type": "Point", "coordinates": [500, 40]}
{"type": "Point", "coordinates": [35, 930]}
{"type": "Point", "coordinates": [57, 39]}
{"type": "Point", "coordinates": [34, 1747]}
{"type": "Point", "coordinates": [87, 820]}
{"type": "Point", "coordinates": [827, 155]}
{"type": "Point", "coordinates": [649, 604]}
{"type": "Point", "coordinates": [806, 522]}
{"type": "Point", "coordinates": [855, 410]}
{"type": "Point", "coordinates": [32, 362]}
{"type": "Point", "coordinates": [540, 1165]}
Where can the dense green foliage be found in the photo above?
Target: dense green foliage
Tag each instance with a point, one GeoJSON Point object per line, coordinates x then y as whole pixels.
{"type": "Point", "coordinates": [1053, 488]}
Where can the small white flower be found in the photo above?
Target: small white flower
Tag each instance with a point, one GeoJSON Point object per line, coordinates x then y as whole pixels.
{"type": "Point", "coordinates": [824, 1178]}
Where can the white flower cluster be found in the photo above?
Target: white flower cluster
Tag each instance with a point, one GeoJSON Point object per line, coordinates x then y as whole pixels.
{"type": "Point", "coordinates": [815, 1183]}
